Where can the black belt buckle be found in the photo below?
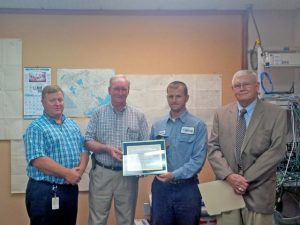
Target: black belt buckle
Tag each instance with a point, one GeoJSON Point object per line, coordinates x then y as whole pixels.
{"type": "Point", "coordinates": [115, 168]}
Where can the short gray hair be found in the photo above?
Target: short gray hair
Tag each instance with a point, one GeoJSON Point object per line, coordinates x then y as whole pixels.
{"type": "Point", "coordinates": [116, 77]}
{"type": "Point", "coordinates": [241, 73]}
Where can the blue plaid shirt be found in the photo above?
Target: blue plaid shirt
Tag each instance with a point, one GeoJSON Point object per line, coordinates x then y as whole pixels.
{"type": "Point", "coordinates": [112, 128]}
{"type": "Point", "coordinates": [61, 142]}
{"type": "Point", "coordinates": [186, 142]}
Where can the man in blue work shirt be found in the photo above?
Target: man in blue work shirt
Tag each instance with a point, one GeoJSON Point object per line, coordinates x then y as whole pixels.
{"type": "Point", "coordinates": [56, 160]}
{"type": "Point", "coordinates": [175, 195]}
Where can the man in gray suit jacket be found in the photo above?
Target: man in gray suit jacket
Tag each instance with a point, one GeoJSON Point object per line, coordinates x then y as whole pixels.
{"type": "Point", "coordinates": [251, 173]}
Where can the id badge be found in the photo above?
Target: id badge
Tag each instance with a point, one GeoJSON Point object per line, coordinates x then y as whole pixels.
{"type": "Point", "coordinates": [55, 203]}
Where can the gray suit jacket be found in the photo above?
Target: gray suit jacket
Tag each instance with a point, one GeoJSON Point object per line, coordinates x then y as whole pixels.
{"type": "Point", "coordinates": [263, 148]}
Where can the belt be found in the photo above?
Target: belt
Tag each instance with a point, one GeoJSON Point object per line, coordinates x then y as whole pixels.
{"type": "Point", "coordinates": [191, 180]}
{"type": "Point", "coordinates": [115, 168]}
{"type": "Point", "coordinates": [51, 183]}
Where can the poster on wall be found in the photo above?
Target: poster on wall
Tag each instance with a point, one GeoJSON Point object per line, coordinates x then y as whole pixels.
{"type": "Point", "coordinates": [35, 79]}
{"type": "Point", "coordinates": [84, 90]}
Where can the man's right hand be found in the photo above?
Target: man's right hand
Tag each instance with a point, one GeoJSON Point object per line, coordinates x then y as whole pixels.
{"type": "Point", "coordinates": [73, 176]}
{"type": "Point", "coordinates": [116, 153]}
{"type": "Point", "coordinates": [238, 183]}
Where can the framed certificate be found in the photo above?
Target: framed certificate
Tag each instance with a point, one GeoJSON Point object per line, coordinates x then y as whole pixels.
{"type": "Point", "coordinates": [144, 157]}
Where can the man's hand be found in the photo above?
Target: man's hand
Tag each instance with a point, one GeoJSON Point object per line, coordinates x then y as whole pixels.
{"type": "Point", "coordinates": [238, 183]}
{"type": "Point", "coordinates": [79, 170]}
{"type": "Point", "coordinates": [116, 153]}
{"type": "Point", "coordinates": [166, 177]}
{"type": "Point", "coordinates": [73, 176]}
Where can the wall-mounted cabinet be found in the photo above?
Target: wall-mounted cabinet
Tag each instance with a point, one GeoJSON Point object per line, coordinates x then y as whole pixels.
{"type": "Point", "coordinates": [279, 76]}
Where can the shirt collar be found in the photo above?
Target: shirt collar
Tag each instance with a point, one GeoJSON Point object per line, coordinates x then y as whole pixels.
{"type": "Point", "coordinates": [182, 116]}
{"type": "Point", "coordinates": [52, 120]}
{"type": "Point", "coordinates": [122, 110]}
{"type": "Point", "coordinates": [249, 108]}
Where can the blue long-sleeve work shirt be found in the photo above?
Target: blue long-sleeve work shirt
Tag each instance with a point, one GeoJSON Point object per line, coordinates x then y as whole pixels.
{"type": "Point", "coordinates": [186, 142]}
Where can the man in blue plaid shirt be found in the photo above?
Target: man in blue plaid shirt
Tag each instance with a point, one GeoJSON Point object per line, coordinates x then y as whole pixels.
{"type": "Point", "coordinates": [56, 160]}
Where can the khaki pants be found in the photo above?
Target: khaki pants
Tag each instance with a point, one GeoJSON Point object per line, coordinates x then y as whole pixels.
{"type": "Point", "coordinates": [244, 217]}
{"type": "Point", "coordinates": [105, 185]}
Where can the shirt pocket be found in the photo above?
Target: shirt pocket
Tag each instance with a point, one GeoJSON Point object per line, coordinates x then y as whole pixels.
{"type": "Point", "coordinates": [184, 147]}
{"type": "Point", "coordinates": [261, 142]}
{"type": "Point", "coordinates": [186, 138]}
{"type": "Point", "coordinates": [132, 134]}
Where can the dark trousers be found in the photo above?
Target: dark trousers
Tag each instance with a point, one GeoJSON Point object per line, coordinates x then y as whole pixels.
{"type": "Point", "coordinates": [175, 204]}
{"type": "Point", "coordinates": [39, 203]}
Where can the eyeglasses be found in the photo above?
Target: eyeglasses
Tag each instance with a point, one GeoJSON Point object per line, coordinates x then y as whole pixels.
{"type": "Point", "coordinates": [242, 85]}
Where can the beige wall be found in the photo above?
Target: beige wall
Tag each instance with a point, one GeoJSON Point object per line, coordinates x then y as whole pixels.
{"type": "Point", "coordinates": [133, 43]}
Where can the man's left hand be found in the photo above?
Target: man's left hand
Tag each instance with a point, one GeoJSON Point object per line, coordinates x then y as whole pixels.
{"type": "Point", "coordinates": [166, 177]}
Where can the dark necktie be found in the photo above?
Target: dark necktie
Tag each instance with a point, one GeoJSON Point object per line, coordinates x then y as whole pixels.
{"type": "Point", "coordinates": [240, 134]}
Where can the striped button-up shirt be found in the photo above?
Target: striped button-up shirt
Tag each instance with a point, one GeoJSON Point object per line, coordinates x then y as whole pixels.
{"type": "Point", "coordinates": [112, 128]}
{"type": "Point", "coordinates": [63, 143]}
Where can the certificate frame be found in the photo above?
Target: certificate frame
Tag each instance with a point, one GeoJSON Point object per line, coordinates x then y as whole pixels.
{"type": "Point", "coordinates": [144, 157]}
